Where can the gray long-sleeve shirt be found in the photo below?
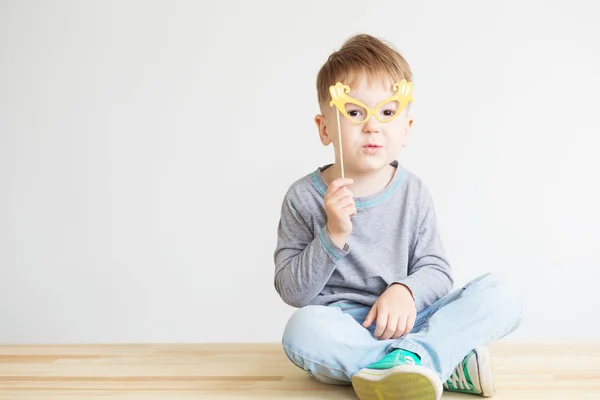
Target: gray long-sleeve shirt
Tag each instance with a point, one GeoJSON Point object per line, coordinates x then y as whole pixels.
{"type": "Point", "coordinates": [394, 238]}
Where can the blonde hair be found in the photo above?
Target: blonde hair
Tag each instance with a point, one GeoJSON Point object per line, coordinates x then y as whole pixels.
{"type": "Point", "coordinates": [362, 54]}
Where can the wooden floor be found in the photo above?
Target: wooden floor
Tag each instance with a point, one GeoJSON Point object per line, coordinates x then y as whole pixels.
{"type": "Point", "coordinates": [259, 371]}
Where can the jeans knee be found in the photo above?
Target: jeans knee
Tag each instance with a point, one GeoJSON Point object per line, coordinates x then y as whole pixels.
{"type": "Point", "coordinates": [310, 342]}
{"type": "Point", "coordinates": [501, 292]}
{"type": "Point", "coordinates": [306, 328]}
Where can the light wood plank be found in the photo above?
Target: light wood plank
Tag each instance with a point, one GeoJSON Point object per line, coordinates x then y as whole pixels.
{"type": "Point", "coordinates": [523, 371]}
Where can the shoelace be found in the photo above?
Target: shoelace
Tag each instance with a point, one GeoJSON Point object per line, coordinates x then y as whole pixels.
{"type": "Point", "coordinates": [408, 360]}
{"type": "Point", "coordinates": [458, 379]}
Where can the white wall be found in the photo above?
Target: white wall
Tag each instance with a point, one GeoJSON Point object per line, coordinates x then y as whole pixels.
{"type": "Point", "coordinates": [145, 147]}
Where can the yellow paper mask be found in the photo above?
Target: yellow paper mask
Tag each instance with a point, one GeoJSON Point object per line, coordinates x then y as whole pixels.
{"type": "Point", "coordinates": [359, 113]}
{"type": "Point", "coordinates": [385, 111]}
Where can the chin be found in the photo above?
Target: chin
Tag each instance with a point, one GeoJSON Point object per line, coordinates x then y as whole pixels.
{"type": "Point", "coordinates": [371, 166]}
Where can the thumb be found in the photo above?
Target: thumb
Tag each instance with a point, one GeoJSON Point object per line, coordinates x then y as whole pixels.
{"type": "Point", "coordinates": [370, 317]}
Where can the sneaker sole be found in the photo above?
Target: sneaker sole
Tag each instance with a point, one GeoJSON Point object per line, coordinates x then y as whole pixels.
{"type": "Point", "coordinates": [404, 382]}
{"type": "Point", "coordinates": [486, 377]}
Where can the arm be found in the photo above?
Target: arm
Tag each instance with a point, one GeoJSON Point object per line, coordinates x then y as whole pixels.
{"type": "Point", "coordinates": [429, 273]}
{"type": "Point", "coordinates": [304, 261]}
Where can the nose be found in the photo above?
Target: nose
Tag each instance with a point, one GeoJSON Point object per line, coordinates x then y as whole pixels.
{"type": "Point", "coordinates": [371, 125]}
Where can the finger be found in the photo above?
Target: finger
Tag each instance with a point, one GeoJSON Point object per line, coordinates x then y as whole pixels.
{"type": "Point", "coordinates": [370, 317]}
{"type": "Point", "coordinates": [337, 184]}
{"type": "Point", "coordinates": [401, 327]}
{"type": "Point", "coordinates": [342, 193]}
{"type": "Point", "coordinates": [345, 202]}
{"type": "Point", "coordinates": [350, 210]}
{"type": "Point", "coordinates": [382, 318]}
{"type": "Point", "coordinates": [410, 324]}
{"type": "Point", "coordinates": [392, 323]}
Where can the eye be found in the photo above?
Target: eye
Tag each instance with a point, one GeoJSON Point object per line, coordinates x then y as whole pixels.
{"type": "Point", "coordinates": [388, 110]}
{"type": "Point", "coordinates": [355, 112]}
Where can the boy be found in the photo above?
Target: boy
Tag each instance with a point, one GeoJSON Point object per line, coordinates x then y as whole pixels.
{"type": "Point", "coordinates": [362, 258]}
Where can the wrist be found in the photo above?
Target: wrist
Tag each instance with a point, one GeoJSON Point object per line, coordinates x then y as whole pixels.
{"type": "Point", "coordinates": [403, 287]}
{"type": "Point", "coordinates": [338, 238]}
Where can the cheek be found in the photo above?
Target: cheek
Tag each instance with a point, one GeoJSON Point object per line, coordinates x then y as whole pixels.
{"type": "Point", "coordinates": [349, 130]}
{"type": "Point", "coordinates": [399, 124]}
{"type": "Point", "coordinates": [396, 132]}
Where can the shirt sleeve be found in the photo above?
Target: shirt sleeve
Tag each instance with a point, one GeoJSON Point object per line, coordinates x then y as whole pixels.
{"type": "Point", "coordinates": [304, 260]}
{"type": "Point", "coordinates": [429, 273]}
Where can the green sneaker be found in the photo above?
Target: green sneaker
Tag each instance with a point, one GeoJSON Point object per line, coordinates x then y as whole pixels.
{"type": "Point", "coordinates": [397, 376]}
{"type": "Point", "coordinates": [473, 375]}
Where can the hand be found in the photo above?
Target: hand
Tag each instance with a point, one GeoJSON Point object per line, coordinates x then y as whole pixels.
{"type": "Point", "coordinates": [395, 312]}
{"type": "Point", "coordinates": [340, 207]}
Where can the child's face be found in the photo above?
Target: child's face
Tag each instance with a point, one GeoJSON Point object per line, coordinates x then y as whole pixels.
{"type": "Point", "coordinates": [371, 145]}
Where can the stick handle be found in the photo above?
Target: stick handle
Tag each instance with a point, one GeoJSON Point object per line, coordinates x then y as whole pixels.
{"type": "Point", "coordinates": [340, 141]}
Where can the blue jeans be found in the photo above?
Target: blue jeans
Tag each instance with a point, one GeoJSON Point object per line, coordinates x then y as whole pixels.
{"type": "Point", "coordinates": [330, 343]}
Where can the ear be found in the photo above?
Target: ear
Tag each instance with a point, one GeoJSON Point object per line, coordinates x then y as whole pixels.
{"type": "Point", "coordinates": [409, 122]}
{"type": "Point", "coordinates": [320, 121]}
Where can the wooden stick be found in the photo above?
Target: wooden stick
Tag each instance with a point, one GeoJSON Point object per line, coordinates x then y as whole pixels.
{"type": "Point", "coordinates": [340, 141]}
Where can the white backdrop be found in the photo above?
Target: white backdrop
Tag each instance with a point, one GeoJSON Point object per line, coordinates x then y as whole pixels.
{"type": "Point", "coordinates": [145, 148]}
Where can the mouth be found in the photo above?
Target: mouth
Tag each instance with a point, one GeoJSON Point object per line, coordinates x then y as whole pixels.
{"type": "Point", "coordinates": [371, 149]}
